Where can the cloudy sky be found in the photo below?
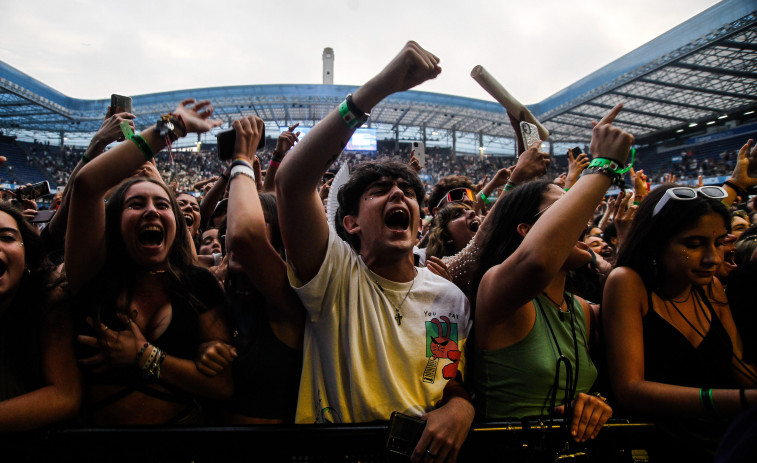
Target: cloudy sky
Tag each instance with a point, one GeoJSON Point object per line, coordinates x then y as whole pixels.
{"type": "Point", "coordinates": [90, 49]}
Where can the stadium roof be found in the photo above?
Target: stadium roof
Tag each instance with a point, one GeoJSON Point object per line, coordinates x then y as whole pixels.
{"type": "Point", "coordinates": [698, 71]}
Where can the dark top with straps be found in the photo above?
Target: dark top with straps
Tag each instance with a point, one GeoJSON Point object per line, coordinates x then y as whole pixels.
{"type": "Point", "coordinates": [180, 339]}
{"type": "Point", "coordinates": [267, 371]}
{"type": "Point", "coordinates": [671, 359]}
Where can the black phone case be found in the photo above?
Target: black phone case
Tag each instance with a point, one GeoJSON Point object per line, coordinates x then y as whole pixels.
{"type": "Point", "coordinates": [404, 433]}
{"type": "Point", "coordinates": [226, 140]}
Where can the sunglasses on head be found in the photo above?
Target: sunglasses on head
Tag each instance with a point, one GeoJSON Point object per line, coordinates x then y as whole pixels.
{"type": "Point", "coordinates": [682, 193]}
{"type": "Point", "coordinates": [457, 195]}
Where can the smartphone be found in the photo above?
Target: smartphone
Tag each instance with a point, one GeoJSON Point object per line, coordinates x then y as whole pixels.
{"type": "Point", "coordinates": [227, 138]}
{"type": "Point", "coordinates": [34, 191]}
{"type": "Point", "coordinates": [577, 151]}
{"type": "Point", "coordinates": [530, 134]}
{"type": "Point", "coordinates": [420, 152]}
{"type": "Point", "coordinates": [119, 104]}
{"type": "Point", "coordinates": [404, 433]}
{"type": "Point", "coordinates": [43, 216]}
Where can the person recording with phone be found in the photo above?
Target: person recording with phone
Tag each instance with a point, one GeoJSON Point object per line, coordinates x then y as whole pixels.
{"type": "Point", "coordinates": [54, 234]}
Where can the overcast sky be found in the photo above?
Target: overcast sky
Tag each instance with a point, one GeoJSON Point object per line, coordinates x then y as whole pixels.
{"type": "Point", "coordinates": [90, 49]}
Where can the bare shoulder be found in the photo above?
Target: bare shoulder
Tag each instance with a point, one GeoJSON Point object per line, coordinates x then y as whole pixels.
{"type": "Point", "coordinates": [625, 288]}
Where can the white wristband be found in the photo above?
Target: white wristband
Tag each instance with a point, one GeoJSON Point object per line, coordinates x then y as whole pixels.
{"type": "Point", "coordinates": [241, 170]}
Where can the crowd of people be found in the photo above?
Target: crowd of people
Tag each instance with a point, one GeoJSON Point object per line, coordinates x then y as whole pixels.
{"type": "Point", "coordinates": [487, 295]}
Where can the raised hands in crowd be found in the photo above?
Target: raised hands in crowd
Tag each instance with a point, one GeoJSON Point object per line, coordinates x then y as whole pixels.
{"type": "Point", "coordinates": [146, 331]}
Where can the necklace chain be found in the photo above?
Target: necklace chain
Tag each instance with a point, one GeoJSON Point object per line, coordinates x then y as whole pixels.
{"type": "Point", "coordinates": [397, 313]}
{"type": "Point", "coordinates": [558, 306]}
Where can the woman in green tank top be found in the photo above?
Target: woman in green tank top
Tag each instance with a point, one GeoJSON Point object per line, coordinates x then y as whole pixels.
{"type": "Point", "coordinates": [530, 335]}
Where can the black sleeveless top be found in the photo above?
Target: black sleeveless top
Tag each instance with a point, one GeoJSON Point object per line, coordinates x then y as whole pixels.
{"type": "Point", "coordinates": [671, 359]}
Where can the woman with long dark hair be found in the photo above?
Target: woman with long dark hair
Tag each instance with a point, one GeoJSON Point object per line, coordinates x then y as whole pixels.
{"type": "Point", "coordinates": [148, 308]}
{"type": "Point", "coordinates": [530, 333]}
{"type": "Point", "coordinates": [40, 382]}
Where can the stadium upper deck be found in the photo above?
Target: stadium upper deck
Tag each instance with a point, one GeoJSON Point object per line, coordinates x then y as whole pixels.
{"type": "Point", "coordinates": [696, 73]}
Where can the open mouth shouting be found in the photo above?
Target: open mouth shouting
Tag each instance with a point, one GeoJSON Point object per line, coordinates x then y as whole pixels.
{"type": "Point", "coordinates": [397, 220]}
{"type": "Point", "coordinates": [150, 236]}
{"type": "Point", "coordinates": [3, 268]}
{"type": "Point", "coordinates": [474, 225]}
{"type": "Point", "coordinates": [189, 219]}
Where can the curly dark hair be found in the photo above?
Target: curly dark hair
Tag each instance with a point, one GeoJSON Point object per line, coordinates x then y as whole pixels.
{"type": "Point", "coordinates": [365, 174]}
{"type": "Point", "coordinates": [446, 184]}
{"type": "Point", "coordinates": [440, 242]}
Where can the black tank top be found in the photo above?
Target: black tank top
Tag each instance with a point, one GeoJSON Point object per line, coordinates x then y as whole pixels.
{"type": "Point", "coordinates": [671, 359]}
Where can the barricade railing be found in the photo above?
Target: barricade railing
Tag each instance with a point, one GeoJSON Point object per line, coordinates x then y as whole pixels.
{"type": "Point", "coordinates": [529, 441]}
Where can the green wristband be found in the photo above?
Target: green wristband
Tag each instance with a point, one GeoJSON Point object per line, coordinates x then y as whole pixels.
{"type": "Point", "coordinates": [483, 196]}
{"type": "Point", "coordinates": [347, 115]}
{"type": "Point", "coordinates": [143, 146]}
{"type": "Point", "coordinates": [84, 159]}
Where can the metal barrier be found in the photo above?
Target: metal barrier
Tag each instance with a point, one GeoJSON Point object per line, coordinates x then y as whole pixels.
{"type": "Point", "coordinates": [620, 441]}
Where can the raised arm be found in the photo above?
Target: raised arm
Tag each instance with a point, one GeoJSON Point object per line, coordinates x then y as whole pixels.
{"type": "Point", "coordinates": [85, 239]}
{"type": "Point", "coordinates": [744, 173]}
{"type": "Point", "coordinates": [549, 241]}
{"type": "Point", "coordinates": [285, 142]}
{"type": "Point", "coordinates": [248, 243]}
{"type": "Point", "coordinates": [213, 196]}
{"type": "Point", "coordinates": [109, 131]}
{"type": "Point", "coordinates": [303, 220]}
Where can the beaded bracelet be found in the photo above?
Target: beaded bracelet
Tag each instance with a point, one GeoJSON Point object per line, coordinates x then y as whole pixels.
{"type": "Point", "coordinates": [141, 352]}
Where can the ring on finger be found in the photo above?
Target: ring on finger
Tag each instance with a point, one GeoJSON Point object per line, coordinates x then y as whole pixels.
{"type": "Point", "coordinates": [432, 455]}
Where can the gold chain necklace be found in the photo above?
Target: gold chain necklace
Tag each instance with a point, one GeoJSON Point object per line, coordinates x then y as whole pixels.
{"type": "Point", "coordinates": [397, 313]}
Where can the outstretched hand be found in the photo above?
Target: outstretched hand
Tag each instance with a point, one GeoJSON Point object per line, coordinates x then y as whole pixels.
{"type": "Point", "coordinates": [531, 164]}
{"type": "Point", "coordinates": [608, 141]}
{"type": "Point", "coordinates": [287, 139]}
{"type": "Point", "coordinates": [639, 180]}
{"type": "Point", "coordinates": [745, 171]}
{"type": "Point", "coordinates": [110, 129]}
{"type": "Point", "coordinates": [196, 115]}
{"type": "Point", "coordinates": [576, 165]}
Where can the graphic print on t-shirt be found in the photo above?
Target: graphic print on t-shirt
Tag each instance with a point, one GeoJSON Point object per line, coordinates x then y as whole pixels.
{"type": "Point", "coordinates": [441, 343]}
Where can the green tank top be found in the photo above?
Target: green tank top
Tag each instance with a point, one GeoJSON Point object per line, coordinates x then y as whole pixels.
{"type": "Point", "coordinates": [516, 381]}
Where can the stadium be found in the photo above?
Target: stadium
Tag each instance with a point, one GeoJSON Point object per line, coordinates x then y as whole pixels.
{"type": "Point", "coordinates": [690, 100]}
{"type": "Point", "coordinates": [691, 89]}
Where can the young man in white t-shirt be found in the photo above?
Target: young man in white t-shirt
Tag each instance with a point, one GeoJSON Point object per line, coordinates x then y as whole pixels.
{"type": "Point", "coordinates": [381, 334]}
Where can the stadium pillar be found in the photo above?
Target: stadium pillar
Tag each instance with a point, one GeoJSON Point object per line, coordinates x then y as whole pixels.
{"type": "Point", "coordinates": [453, 153]}
{"type": "Point", "coordinates": [62, 138]}
{"type": "Point", "coordinates": [423, 129]}
{"type": "Point", "coordinates": [396, 139]}
{"type": "Point", "coordinates": [328, 66]}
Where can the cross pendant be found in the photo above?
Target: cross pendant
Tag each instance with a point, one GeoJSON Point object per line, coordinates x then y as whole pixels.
{"type": "Point", "coordinates": [398, 317]}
